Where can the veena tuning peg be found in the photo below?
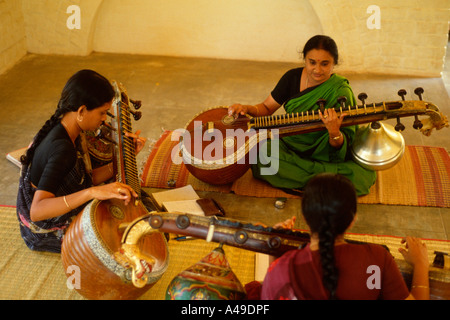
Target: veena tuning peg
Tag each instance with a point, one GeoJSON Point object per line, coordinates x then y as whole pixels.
{"type": "Point", "coordinates": [321, 104]}
{"type": "Point", "coordinates": [417, 123]}
{"type": "Point", "coordinates": [137, 104]}
{"type": "Point", "coordinates": [342, 100]}
{"type": "Point", "coordinates": [419, 91]}
{"type": "Point", "coordinates": [399, 127]}
{"type": "Point", "coordinates": [402, 93]}
{"type": "Point", "coordinates": [362, 97]}
{"type": "Point", "coordinates": [136, 114]}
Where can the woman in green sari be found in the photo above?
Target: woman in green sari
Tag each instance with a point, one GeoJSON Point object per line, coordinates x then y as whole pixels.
{"type": "Point", "coordinates": [303, 156]}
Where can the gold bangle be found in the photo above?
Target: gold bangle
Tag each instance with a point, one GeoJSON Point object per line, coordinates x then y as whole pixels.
{"type": "Point", "coordinates": [67, 204]}
{"type": "Point", "coordinates": [422, 287]}
{"type": "Point", "coordinates": [338, 137]}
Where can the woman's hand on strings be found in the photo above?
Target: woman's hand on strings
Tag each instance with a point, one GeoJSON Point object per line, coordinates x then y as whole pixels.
{"type": "Point", "coordinates": [237, 109]}
{"type": "Point", "coordinates": [115, 190]}
{"type": "Point", "coordinates": [286, 224]}
{"type": "Point", "coordinates": [332, 121]}
{"type": "Point", "coordinates": [415, 252]}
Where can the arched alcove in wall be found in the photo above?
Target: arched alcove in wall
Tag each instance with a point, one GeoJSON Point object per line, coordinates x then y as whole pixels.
{"type": "Point", "coordinates": [46, 26]}
{"type": "Point", "coordinates": [249, 30]}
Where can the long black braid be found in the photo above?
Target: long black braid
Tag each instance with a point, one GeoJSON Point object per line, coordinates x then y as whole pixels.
{"type": "Point", "coordinates": [86, 87]}
{"type": "Point", "coordinates": [326, 250]}
{"type": "Point", "coordinates": [329, 206]}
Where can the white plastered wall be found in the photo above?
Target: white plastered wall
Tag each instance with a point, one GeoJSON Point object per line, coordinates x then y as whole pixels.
{"type": "Point", "coordinates": [13, 44]}
{"type": "Point", "coordinates": [411, 40]}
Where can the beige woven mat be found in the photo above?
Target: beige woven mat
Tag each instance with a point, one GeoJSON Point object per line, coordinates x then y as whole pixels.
{"type": "Point", "coordinates": [29, 275]}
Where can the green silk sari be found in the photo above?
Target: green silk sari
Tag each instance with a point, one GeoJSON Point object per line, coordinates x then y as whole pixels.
{"type": "Point", "coordinates": [300, 157]}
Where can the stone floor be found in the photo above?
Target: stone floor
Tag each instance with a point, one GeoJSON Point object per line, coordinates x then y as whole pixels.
{"type": "Point", "coordinates": [174, 89]}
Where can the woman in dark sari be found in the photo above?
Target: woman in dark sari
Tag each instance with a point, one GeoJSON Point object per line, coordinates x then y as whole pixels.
{"type": "Point", "coordinates": [302, 156]}
{"type": "Point", "coordinates": [56, 182]}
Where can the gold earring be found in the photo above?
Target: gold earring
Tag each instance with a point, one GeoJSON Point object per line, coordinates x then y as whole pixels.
{"type": "Point", "coordinates": [80, 120]}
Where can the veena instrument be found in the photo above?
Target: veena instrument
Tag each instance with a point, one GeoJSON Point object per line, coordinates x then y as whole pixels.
{"type": "Point", "coordinates": [217, 148]}
{"type": "Point", "coordinates": [109, 266]}
{"type": "Point", "coordinates": [276, 242]}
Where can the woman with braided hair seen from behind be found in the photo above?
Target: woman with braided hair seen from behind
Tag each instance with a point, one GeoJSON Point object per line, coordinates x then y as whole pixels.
{"type": "Point", "coordinates": [55, 181]}
{"type": "Point", "coordinates": [331, 268]}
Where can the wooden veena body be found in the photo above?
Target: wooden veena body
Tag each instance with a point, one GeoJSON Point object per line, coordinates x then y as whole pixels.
{"type": "Point", "coordinates": [218, 148]}
{"type": "Point", "coordinates": [94, 242]}
{"type": "Point", "coordinates": [274, 242]}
